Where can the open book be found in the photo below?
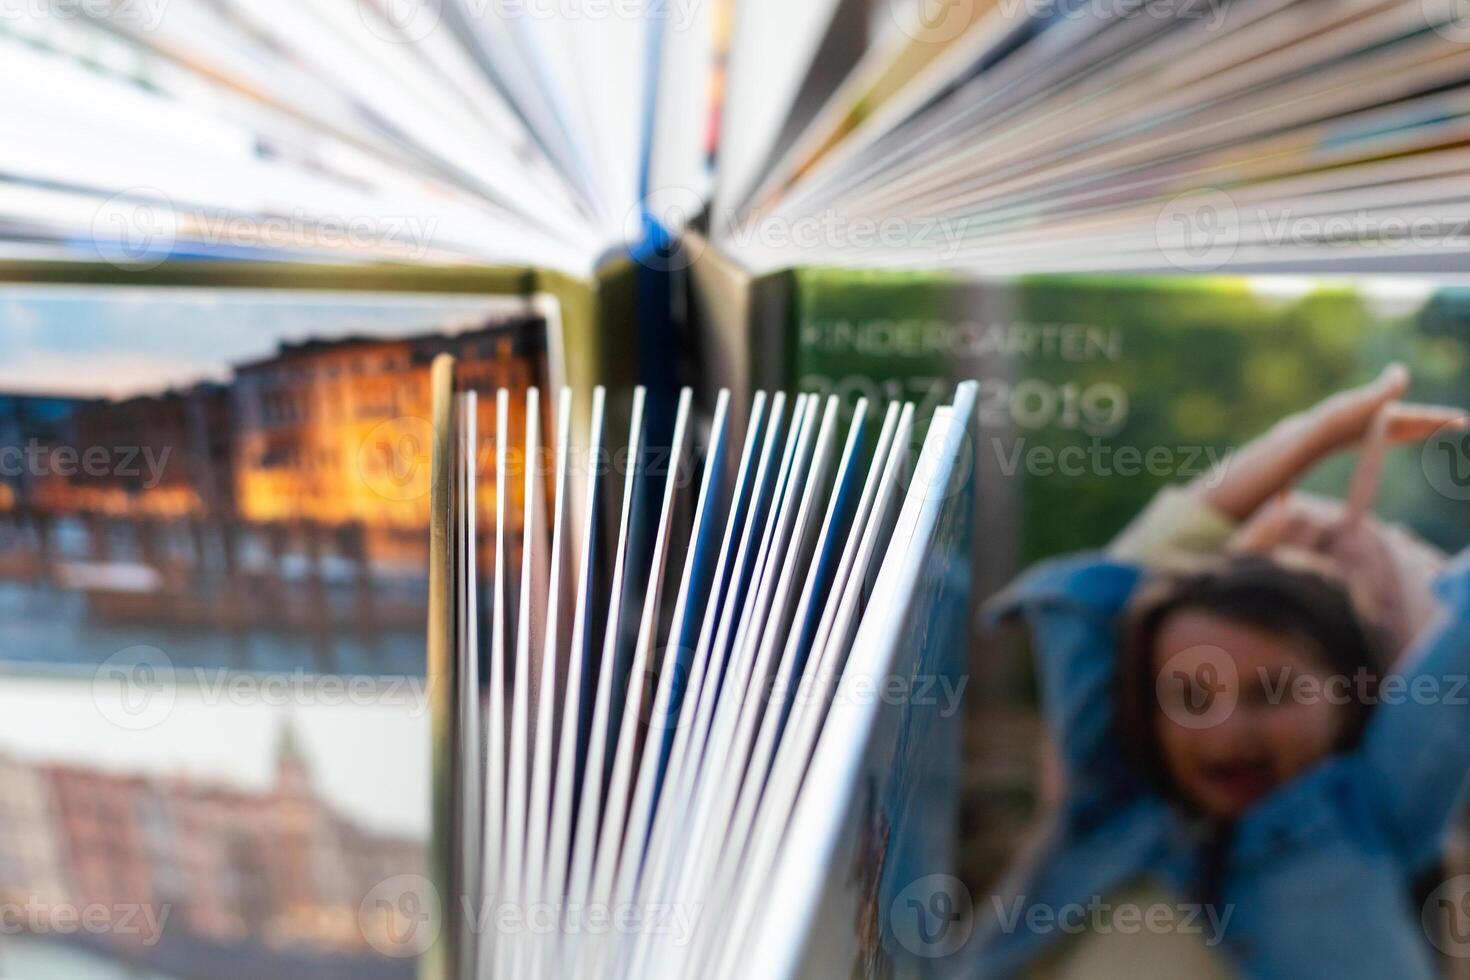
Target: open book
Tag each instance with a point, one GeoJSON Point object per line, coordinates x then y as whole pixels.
{"type": "Point", "coordinates": [856, 197]}
{"type": "Point", "coordinates": [685, 714]}
{"type": "Point", "coordinates": [1113, 231]}
{"type": "Point", "coordinates": [995, 136]}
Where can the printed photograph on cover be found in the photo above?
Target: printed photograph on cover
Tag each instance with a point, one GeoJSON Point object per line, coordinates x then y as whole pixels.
{"type": "Point", "coordinates": [213, 574]}
{"type": "Point", "coordinates": [1220, 624]}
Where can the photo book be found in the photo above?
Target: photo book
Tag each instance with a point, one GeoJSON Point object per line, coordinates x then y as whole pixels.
{"type": "Point", "coordinates": [702, 368]}
{"type": "Point", "coordinates": [684, 712]}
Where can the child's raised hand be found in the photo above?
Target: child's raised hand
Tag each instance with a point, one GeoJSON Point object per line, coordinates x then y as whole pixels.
{"type": "Point", "coordinates": [1394, 424]}
{"type": "Point", "coordinates": [1401, 422]}
{"type": "Point", "coordinates": [1269, 465]}
{"type": "Point", "coordinates": [1344, 418]}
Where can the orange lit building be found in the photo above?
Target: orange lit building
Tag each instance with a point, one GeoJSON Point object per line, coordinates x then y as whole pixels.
{"type": "Point", "coordinates": [333, 431]}
{"type": "Point", "coordinates": [339, 431]}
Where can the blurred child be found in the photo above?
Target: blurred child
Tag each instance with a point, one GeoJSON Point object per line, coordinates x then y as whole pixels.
{"type": "Point", "coordinates": [1218, 687]}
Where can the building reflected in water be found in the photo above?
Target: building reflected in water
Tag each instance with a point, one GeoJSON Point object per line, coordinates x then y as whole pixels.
{"type": "Point", "coordinates": [291, 501]}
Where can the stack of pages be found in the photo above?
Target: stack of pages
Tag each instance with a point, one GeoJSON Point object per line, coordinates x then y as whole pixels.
{"type": "Point", "coordinates": [835, 196]}
{"type": "Point", "coordinates": [674, 735]}
{"type": "Point", "coordinates": [995, 136]}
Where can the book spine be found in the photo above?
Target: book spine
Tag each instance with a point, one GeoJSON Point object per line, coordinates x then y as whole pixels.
{"type": "Point", "coordinates": [436, 963]}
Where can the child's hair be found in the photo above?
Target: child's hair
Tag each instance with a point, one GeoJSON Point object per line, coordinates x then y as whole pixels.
{"type": "Point", "coordinates": [1257, 591]}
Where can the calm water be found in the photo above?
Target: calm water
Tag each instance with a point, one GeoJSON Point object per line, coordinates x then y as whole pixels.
{"type": "Point", "coordinates": [43, 625]}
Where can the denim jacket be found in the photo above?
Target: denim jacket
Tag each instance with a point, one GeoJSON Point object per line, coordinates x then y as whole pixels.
{"type": "Point", "coordinates": [1317, 878]}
